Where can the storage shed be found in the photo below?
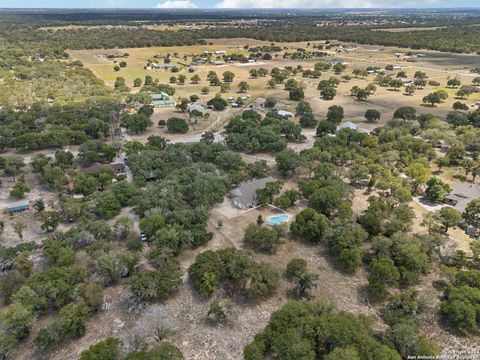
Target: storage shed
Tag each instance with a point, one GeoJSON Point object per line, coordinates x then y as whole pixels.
{"type": "Point", "coordinates": [18, 206]}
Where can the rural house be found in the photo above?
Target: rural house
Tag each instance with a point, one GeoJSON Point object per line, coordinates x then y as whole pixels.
{"type": "Point", "coordinates": [118, 167]}
{"type": "Point", "coordinates": [93, 169]}
{"type": "Point", "coordinates": [245, 196]}
{"type": "Point", "coordinates": [462, 194]}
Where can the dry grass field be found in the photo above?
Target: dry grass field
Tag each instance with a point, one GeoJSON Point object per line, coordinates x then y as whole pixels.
{"type": "Point", "coordinates": [438, 66]}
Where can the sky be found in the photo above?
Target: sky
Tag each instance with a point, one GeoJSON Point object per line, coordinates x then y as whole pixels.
{"type": "Point", "coordinates": [190, 4]}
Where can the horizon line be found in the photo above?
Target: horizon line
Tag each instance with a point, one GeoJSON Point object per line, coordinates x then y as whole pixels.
{"type": "Point", "coordinates": [255, 9]}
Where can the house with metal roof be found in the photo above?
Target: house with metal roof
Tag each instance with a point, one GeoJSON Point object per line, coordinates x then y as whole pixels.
{"type": "Point", "coordinates": [245, 196]}
{"type": "Point", "coordinates": [162, 100]}
{"type": "Point", "coordinates": [347, 125]}
{"type": "Point", "coordinates": [195, 107]}
{"type": "Point", "coordinates": [161, 66]}
{"type": "Point", "coordinates": [18, 206]}
{"type": "Point", "coordinates": [285, 113]}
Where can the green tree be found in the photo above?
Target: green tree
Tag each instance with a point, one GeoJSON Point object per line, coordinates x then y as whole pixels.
{"type": "Point", "coordinates": [328, 92]}
{"type": "Point", "coordinates": [472, 211]}
{"type": "Point", "coordinates": [308, 120]}
{"type": "Point", "coordinates": [406, 113]}
{"type": "Point", "coordinates": [335, 114]}
{"type": "Point", "coordinates": [419, 174]}
{"type": "Point", "coordinates": [296, 94]}
{"type": "Point", "coordinates": [17, 320]}
{"type": "Point", "coordinates": [310, 225]}
{"type": "Point", "coordinates": [288, 161]}
{"type": "Point", "coordinates": [103, 350]}
{"type": "Point", "coordinates": [266, 195]}
{"type": "Point", "coordinates": [228, 76]}
{"type": "Point", "coordinates": [50, 220]}
{"type": "Point", "coordinates": [372, 115]}
{"type": "Point", "coordinates": [195, 79]}
{"type": "Point", "coordinates": [432, 99]}
{"type": "Point", "coordinates": [343, 354]}
{"type": "Point", "coordinates": [243, 87]}
{"type": "Point", "coordinates": [218, 103]}
{"type": "Point", "coordinates": [108, 205]}
{"type": "Point", "coordinates": [151, 224]}
{"type": "Point", "coordinates": [437, 190]}
{"type": "Point", "coordinates": [113, 264]}
{"type": "Point", "coordinates": [448, 217]}
{"type": "Point", "coordinates": [261, 238]}
{"type": "Point", "coordinates": [177, 125]}
{"type": "Point", "coordinates": [137, 82]}
{"type": "Point", "coordinates": [155, 285]}
{"type": "Point", "coordinates": [382, 273]}
{"type": "Point", "coordinates": [410, 89]}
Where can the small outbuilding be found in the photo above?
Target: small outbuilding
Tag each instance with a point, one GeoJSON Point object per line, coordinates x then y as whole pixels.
{"type": "Point", "coordinates": [195, 107]}
{"type": "Point", "coordinates": [347, 125]}
{"type": "Point", "coordinates": [162, 100]}
{"type": "Point", "coordinates": [18, 206]}
{"type": "Point", "coordinates": [118, 167]}
{"type": "Point", "coordinates": [286, 114]}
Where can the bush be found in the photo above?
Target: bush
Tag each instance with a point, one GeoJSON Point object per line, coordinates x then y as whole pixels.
{"type": "Point", "coordinates": [69, 324]}
{"type": "Point", "coordinates": [155, 285]}
{"type": "Point", "coordinates": [103, 350]}
{"type": "Point", "coordinates": [233, 268]}
{"type": "Point", "coordinates": [17, 320]}
{"type": "Point", "coordinates": [310, 225]}
{"type": "Point", "coordinates": [296, 94]}
{"type": "Point", "coordinates": [261, 238]}
{"type": "Point", "coordinates": [177, 125]}
{"type": "Point", "coordinates": [270, 102]}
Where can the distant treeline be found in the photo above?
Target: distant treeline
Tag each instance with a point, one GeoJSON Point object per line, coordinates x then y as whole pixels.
{"type": "Point", "coordinates": [452, 33]}
{"type": "Point", "coordinates": [96, 38]}
{"type": "Point", "coordinates": [459, 38]}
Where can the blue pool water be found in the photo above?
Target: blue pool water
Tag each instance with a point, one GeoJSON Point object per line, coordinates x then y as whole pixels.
{"type": "Point", "coordinates": [277, 219]}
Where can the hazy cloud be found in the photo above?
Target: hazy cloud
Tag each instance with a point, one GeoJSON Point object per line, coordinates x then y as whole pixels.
{"type": "Point", "coordinates": [291, 4]}
{"type": "Point", "coordinates": [177, 4]}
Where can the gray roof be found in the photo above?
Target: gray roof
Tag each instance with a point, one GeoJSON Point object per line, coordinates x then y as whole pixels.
{"type": "Point", "coordinates": [197, 107]}
{"type": "Point", "coordinates": [246, 193]}
{"type": "Point", "coordinates": [463, 193]}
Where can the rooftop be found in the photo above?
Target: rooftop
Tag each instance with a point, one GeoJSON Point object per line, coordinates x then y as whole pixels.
{"type": "Point", "coordinates": [160, 96]}
{"type": "Point", "coordinates": [20, 203]}
{"type": "Point", "coordinates": [118, 166]}
{"type": "Point", "coordinates": [93, 169]}
{"type": "Point", "coordinates": [285, 113]}
{"type": "Point", "coordinates": [197, 107]}
{"type": "Point", "coordinates": [347, 125]}
{"type": "Point", "coordinates": [246, 193]}
{"type": "Point", "coordinates": [462, 194]}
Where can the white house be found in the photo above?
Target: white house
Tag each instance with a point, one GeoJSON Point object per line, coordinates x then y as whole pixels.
{"type": "Point", "coordinates": [285, 113]}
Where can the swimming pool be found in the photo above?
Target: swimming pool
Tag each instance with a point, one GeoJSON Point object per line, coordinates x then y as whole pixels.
{"type": "Point", "coordinates": [278, 219]}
